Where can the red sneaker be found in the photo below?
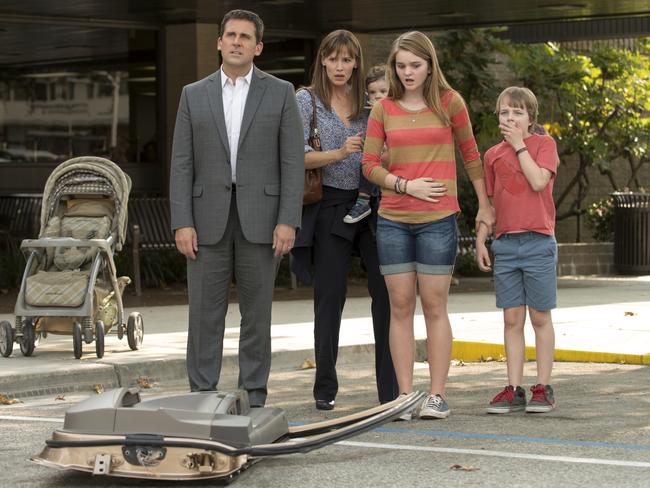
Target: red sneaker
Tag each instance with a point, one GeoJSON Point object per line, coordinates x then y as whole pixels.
{"type": "Point", "coordinates": [542, 400]}
{"type": "Point", "coordinates": [509, 400]}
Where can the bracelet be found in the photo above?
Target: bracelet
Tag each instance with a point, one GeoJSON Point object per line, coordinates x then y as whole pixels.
{"type": "Point", "coordinates": [397, 185]}
{"type": "Point", "coordinates": [520, 150]}
{"type": "Point", "coordinates": [406, 185]}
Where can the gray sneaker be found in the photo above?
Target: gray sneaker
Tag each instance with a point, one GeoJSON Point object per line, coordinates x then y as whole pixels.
{"type": "Point", "coordinates": [542, 400]}
{"type": "Point", "coordinates": [359, 212]}
{"type": "Point", "coordinates": [509, 400]}
{"type": "Point", "coordinates": [434, 407]}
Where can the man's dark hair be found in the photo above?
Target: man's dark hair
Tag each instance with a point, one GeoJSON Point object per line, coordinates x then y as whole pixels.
{"type": "Point", "coordinates": [239, 14]}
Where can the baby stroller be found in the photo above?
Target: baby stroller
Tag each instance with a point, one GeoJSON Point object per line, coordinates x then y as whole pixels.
{"type": "Point", "coordinates": [70, 284]}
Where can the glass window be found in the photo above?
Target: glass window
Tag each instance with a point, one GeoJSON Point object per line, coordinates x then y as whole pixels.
{"type": "Point", "coordinates": [40, 92]}
{"type": "Point", "coordinates": [80, 101]}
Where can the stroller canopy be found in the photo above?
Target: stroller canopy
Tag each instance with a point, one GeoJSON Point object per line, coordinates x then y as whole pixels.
{"type": "Point", "coordinates": [88, 175]}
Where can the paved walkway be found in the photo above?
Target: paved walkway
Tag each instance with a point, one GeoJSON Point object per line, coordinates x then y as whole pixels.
{"type": "Point", "coordinates": [597, 320]}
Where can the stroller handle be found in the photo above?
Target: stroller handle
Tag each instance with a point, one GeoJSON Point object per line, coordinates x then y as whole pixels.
{"type": "Point", "coordinates": [31, 244]}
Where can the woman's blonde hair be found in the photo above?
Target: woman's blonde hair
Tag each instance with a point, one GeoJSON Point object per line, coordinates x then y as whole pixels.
{"type": "Point", "coordinates": [417, 43]}
{"type": "Point", "coordinates": [335, 42]}
{"type": "Point", "coordinates": [520, 97]}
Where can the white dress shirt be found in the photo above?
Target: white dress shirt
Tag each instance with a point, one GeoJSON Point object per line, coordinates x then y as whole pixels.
{"type": "Point", "coordinates": [234, 101]}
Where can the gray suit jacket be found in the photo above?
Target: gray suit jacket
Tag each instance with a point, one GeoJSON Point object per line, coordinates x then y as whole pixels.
{"type": "Point", "coordinates": [270, 160]}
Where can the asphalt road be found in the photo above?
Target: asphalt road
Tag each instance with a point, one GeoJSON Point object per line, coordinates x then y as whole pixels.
{"type": "Point", "coordinates": [598, 436]}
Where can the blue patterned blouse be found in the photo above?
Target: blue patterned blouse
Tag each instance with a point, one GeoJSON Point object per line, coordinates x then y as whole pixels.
{"type": "Point", "coordinates": [333, 133]}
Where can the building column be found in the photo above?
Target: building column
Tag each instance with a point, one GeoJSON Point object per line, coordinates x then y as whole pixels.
{"type": "Point", "coordinates": [366, 47]}
{"type": "Point", "coordinates": [190, 54]}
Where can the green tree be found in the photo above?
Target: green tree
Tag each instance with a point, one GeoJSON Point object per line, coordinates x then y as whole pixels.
{"type": "Point", "coordinates": [467, 58]}
{"type": "Point", "coordinates": [598, 106]}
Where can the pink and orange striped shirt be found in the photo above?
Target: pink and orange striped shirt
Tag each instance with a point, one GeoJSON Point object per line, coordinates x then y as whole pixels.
{"type": "Point", "coordinates": [419, 145]}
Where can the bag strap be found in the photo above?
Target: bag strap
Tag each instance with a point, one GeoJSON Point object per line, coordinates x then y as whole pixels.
{"type": "Point", "coordinates": [313, 124]}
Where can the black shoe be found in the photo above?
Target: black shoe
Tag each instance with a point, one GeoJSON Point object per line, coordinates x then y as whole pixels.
{"type": "Point", "coordinates": [325, 405]}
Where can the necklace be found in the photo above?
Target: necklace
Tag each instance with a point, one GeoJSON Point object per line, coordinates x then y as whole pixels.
{"type": "Point", "coordinates": [414, 115]}
{"type": "Point", "coordinates": [345, 113]}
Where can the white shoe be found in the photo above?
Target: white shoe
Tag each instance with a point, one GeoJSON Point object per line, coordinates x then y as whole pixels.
{"type": "Point", "coordinates": [408, 415]}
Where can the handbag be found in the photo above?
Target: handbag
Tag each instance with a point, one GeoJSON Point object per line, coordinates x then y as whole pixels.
{"type": "Point", "coordinates": [313, 191]}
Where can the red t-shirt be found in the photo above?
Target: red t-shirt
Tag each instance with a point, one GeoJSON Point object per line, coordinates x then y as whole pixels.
{"type": "Point", "coordinates": [518, 207]}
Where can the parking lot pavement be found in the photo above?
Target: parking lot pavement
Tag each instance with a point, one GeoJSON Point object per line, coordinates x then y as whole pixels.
{"type": "Point", "coordinates": [597, 320]}
{"type": "Point", "coordinates": [598, 436]}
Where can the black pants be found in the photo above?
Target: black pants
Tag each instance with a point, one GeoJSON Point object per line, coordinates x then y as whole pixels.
{"type": "Point", "coordinates": [332, 255]}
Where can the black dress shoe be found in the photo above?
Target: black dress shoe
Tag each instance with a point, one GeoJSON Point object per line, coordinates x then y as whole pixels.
{"type": "Point", "coordinates": [325, 405]}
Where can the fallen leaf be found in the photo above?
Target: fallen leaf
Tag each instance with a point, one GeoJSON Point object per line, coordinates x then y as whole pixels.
{"type": "Point", "coordinates": [629, 314]}
{"type": "Point", "coordinates": [308, 364]}
{"type": "Point", "coordinates": [7, 401]}
{"type": "Point", "coordinates": [488, 359]}
{"type": "Point", "coordinates": [502, 359]}
{"type": "Point", "coordinates": [99, 388]}
{"type": "Point", "coordinates": [143, 382]}
{"type": "Point", "coordinates": [460, 467]}
{"type": "Point", "coordinates": [457, 362]}
{"type": "Point", "coordinates": [60, 397]}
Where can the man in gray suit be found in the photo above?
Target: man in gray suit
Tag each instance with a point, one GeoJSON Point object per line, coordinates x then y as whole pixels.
{"type": "Point", "coordinates": [236, 198]}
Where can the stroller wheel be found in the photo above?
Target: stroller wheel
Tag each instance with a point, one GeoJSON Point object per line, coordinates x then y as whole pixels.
{"type": "Point", "coordinates": [99, 339]}
{"type": "Point", "coordinates": [6, 339]}
{"type": "Point", "coordinates": [135, 331]}
{"type": "Point", "coordinates": [77, 341]}
{"type": "Point", "coordinates": [28, 340]}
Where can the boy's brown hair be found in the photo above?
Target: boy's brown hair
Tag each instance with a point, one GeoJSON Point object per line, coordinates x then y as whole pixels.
{"type": "Point", "coordinates": [520, 97]}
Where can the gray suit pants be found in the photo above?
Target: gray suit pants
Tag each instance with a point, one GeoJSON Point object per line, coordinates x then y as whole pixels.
{"type": "Point", "coordinates": [209, 278]}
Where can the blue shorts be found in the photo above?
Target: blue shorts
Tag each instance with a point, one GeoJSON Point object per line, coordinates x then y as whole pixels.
{"type": "Point", "coordinates": [525, 270]}
{"type": "Point", "coordinates": [428, 248]}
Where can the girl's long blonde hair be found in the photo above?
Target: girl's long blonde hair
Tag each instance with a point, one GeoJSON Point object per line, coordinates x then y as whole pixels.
{"type": "Point", "coordinates": [335, 42]}
{"type": "Point", "coordinates": [417, 43]}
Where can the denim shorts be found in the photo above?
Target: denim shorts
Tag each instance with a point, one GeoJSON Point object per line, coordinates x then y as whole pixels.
{"type": "Point", "coordinates": [525, 270]}
{"type": "Point", "coordinates": [428, 248]}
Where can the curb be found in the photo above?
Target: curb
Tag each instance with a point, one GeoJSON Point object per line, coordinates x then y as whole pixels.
{"type": "Point", "coordinates": [170, 370]}
{"type": "Point", "coordinates": [480, 351]}
{"type": "Point", "coordinates": [60, 381]}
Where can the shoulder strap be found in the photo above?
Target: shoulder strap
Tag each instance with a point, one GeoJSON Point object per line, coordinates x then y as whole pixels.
{"type": "Point", "coordinates": [313, 125]}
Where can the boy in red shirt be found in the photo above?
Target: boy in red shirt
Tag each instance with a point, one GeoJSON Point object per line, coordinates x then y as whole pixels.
{"type": "Point", "coordinates": [519, 176]}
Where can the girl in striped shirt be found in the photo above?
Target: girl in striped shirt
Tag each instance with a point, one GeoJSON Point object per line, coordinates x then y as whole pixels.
{"type": "Point", "coordinates": [420, 121]}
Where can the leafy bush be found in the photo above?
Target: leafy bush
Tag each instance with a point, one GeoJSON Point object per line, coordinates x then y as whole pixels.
{"type": "Point", "coordinates": [466, 263]}
{"type": "Point", "coordinates": [600, 218]}
{"type": "Point", "coordinates": [159, 268]}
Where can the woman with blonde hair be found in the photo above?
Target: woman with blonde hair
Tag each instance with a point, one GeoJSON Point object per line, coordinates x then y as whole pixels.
{"type": "Point", "coordinates": [420, 121]}
{"type": "Point", "coordinates": [337, 89]}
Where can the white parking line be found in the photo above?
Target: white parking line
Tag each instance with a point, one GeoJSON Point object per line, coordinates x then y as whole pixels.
{"type": "Point", "coordinates": [503, 454]}
{"type": "Point", "coordinates": [31, 419]}
{"type": "Point", "coordinates": [402, 447]}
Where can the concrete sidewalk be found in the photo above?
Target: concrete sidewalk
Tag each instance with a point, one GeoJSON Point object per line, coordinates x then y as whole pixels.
{"type": "Point", "coordinates": [597, 320]}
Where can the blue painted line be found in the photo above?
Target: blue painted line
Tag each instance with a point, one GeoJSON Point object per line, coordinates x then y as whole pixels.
{"type": "Point", "coordinates": [510, 438]}
{"type": "Point", "coordinates": [517, 438]}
